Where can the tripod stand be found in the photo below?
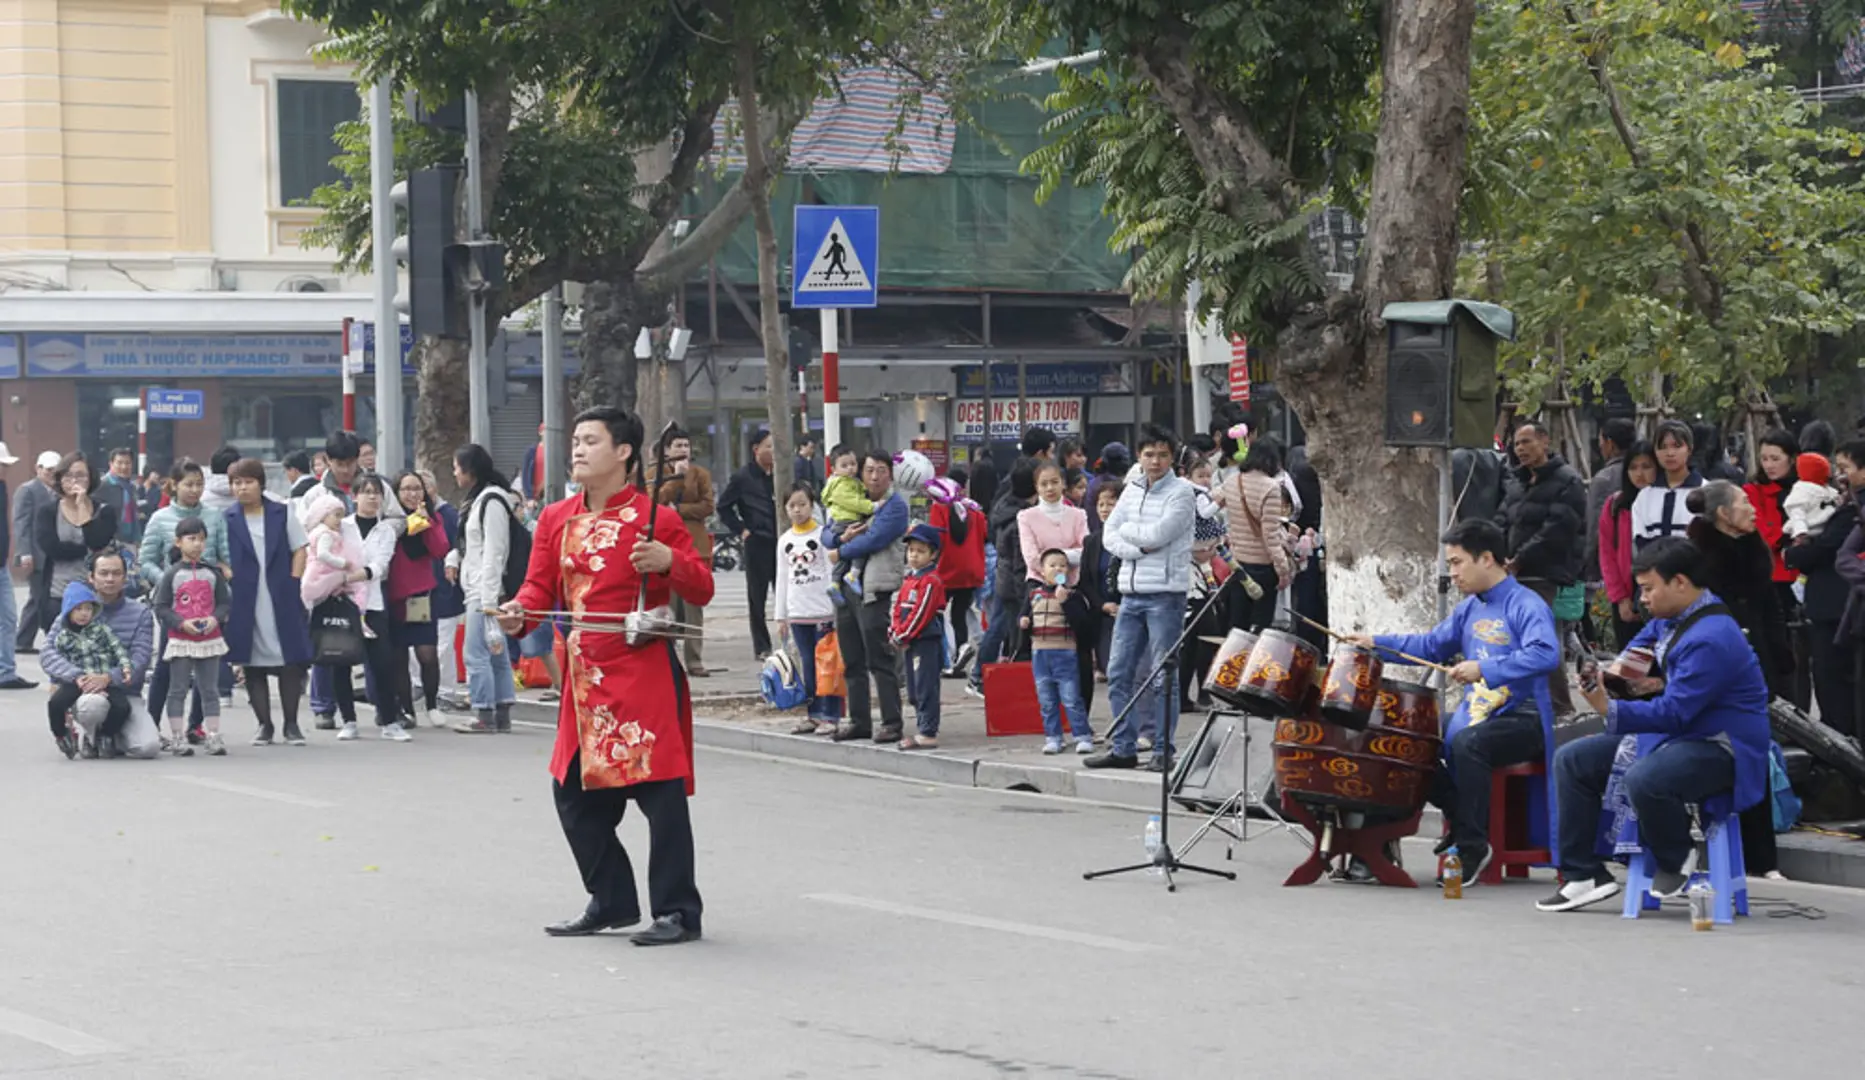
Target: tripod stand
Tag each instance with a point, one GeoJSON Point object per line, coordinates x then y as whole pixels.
{"type": "Point", "coordinates": [1234, 813]}
{"type": "Point", "coordinates": [1165, 858]}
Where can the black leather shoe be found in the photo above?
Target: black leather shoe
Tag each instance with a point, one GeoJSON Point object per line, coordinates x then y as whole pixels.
{"type": "Point", "coordinates": [586, 924]}
{"type": "Point", "coordinates": [889, 733]}
{"type": "Point", "coordinates": [667, 930]}
{"type": "Point", "coordinates": [1111, 760]}
{"type": "Point", "coordinates": [17, 683]}
{"type": "Point", "coordinates": [851, 732]}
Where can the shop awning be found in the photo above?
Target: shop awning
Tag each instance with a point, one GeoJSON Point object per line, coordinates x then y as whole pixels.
{"type": "Point", "coordinates": [182, 312]}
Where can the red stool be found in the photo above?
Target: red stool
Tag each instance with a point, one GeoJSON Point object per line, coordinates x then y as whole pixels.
{"type": "Point", "coordinates": [1508, 824]}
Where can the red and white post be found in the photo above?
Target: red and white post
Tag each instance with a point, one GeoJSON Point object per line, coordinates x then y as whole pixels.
{"type": "Point", "coordinates": [352, 363]}
{"type": "Point", "coordinates": [142, 432]}
{"type": "Point", "coordinates": [831, 384]}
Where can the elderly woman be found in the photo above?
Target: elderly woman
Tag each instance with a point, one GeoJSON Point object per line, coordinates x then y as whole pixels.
{"type": "Point", "coordinates": [268, 632]}
{"type": "Point", "coordinates": [1739, 569]}
{"type": "Point", "coordinates": [69, 532]}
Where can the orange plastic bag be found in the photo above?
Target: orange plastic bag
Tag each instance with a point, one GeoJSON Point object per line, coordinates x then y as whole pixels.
{"type": "Point", "coordinates": [831, 677]}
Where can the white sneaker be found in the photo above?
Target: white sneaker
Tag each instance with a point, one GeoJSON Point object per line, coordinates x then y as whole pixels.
{"type": "Point", "coordinates": [216, 746]}
{"type": "Point", "coordinates": [1579, 894]}
{"type": "Point", "coordinates": [1084, 746]}
{"type": "Point", "coordinates": [397, 733]}
{"type": "Point", "coordinates": [348, 732]}
{"type": "Point", "coordinates": [1052, 746]}
{"type": "Point", "coordinates": [1143, 744]}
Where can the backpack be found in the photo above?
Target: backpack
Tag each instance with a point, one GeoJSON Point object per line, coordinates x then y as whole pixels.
{"type": "Point", "coordinates": [517, 548]}
{"type": "Point", "coordinates": [780, 683]}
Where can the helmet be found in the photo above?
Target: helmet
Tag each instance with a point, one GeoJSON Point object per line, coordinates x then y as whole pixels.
{"type": "Point", "coordinates": [911, 472]}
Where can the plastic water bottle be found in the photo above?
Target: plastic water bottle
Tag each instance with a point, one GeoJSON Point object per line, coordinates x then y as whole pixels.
{"type": "Point", "coordinates": [495, 637]}
{"type": "Point", "coordinates": [1453, 874]}
{"type": "Point", "coordinates": [1154, 843]}
{"type": "Point", "coordinates": [1702, 897]}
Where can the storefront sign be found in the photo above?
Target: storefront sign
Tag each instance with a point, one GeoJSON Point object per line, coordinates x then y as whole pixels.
{"type": "Point", "coordinates": [203, 356]}
{"type": "Point", "coordinates": [135, 356]}
{"type": "Point", "coordinates": [1078, 380]}
{"type": "Point", "coordinates": [1061, 415]}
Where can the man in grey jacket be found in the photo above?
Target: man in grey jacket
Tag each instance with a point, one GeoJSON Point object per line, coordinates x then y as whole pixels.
{"type": "Point", "coordinates": [1150, 532]}
{"type": "Point", "coordinates": [32, 495]}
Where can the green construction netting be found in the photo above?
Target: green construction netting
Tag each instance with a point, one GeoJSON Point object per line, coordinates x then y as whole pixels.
{"type": "Point", "coordinates": [976, 226]}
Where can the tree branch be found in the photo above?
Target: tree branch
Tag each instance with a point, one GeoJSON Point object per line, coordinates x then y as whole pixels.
{"type": "Point", "coordinates": [1220, 133]}
{"type": "Point", "coordinates": [695, 141]}
{"type": "Point", "coordinates": [1705, 290]}
{"type": "Point", "coordinates": [713, 230]}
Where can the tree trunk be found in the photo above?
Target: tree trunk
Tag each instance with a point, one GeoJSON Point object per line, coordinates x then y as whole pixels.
{"type": "Point", "coordinates": [1382, 503]}
{"type": "Point", "coordinates": [613, 314]}
{"type": "Point", "coordinates": [441, 406]}
{"type": "Point", "coordinates": [776, 349]}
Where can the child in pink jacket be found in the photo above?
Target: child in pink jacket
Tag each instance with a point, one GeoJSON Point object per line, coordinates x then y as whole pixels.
{"type": "Point", "coordinates": [1051, 525]}
{"type": "Point", "coordinates": [334, 552]}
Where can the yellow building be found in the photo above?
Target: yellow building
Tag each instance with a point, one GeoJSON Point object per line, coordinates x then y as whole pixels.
{"type": "Point", "coordinates": [153, 156]}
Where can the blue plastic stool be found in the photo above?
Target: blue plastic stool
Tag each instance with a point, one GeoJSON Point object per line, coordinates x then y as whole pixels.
{"type": "Point", "coordinates": [1728, 876]}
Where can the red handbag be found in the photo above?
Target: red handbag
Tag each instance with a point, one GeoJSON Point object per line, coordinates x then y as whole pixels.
{"type": "Point", "coordinates": [1010, 704]}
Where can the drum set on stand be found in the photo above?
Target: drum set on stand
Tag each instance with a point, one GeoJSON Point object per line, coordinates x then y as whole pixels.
{"type": "Point", "coordinates": [1353, 751]}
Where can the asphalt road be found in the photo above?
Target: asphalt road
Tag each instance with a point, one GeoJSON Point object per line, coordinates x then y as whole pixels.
{"type": "Point", "coordinates": [374, 910]}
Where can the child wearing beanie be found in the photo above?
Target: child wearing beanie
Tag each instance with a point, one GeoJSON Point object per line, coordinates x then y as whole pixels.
{"type": "Point", "coordinates": [1811, 501]}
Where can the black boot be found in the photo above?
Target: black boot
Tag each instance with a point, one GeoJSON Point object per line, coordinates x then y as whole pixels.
{"type": "Point", "coordinates": [502, 718]}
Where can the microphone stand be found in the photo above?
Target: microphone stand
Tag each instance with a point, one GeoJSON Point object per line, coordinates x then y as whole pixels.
{"type": "Point", "coordinates": [1165, 858]}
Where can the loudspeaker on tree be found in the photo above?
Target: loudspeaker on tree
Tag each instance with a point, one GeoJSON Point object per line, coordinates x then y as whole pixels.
{"type": "Point", "coordinates": [1441, 372]}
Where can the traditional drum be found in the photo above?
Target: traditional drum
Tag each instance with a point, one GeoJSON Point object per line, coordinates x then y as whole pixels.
{"type": "Point", "coordinates": [1279, 673]}
{"type": "Point", "coordinates": [1226, 673]}
{"type": "Point", "coordinates": [1351, 689]}
{"type": "Point", "coordinates": [1408, 707]}
{"type": "Point", "coordinates": [1328, 765]}
{"type": "Point", "coordinates": [1321, 774]}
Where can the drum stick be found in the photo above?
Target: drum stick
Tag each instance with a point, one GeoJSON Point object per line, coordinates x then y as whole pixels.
{"type": "Point", "coordinates": [1408, 657]}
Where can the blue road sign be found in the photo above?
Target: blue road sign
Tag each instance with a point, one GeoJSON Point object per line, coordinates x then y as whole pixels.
{"type": "Point", "coordinates": [176, 404]}
{"type": "Point", "coordinates": [835, 262]}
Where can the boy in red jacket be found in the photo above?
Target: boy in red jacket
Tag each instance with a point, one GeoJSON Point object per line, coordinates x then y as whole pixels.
{"type": "Point", "coordinates": [918, 630]}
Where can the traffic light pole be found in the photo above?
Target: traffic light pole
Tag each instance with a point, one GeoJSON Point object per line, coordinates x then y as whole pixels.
{"type": "Point", "coordinates": [388, 323]}
{"type": "Point", "coordinates": [556, 438]}
{"type": "Point", "coordinates": [479, 393]}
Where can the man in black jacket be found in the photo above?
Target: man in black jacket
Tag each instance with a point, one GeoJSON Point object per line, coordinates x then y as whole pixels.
{"type": "Point", "coordinates": [1833, 647]}
{"type": "Point", "coordinates": [9, 674]}
{"type": "Point", "coordinates": [32, 494]}
{"type": "Point", "coordinates": [748, 507]}
{"type": "Point", "coordinates": [1543, 514]}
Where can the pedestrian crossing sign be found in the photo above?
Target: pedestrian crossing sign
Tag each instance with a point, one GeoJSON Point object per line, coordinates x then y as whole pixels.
{"type": "Point", "coordinates": [835, 257]}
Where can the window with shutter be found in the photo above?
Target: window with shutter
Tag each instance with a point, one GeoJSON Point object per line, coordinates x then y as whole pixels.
{"type": "Point", "coordinates": [309, 111]}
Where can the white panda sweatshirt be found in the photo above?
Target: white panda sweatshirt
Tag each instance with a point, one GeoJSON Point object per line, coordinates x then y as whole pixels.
{"type": "Point", "coordinates": [803, 575]}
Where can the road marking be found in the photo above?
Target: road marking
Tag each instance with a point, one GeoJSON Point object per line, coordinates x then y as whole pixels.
{"type": "Point", "coordinates": [45, 1033]}
{"type": "Point", "coordinates": [257, 793]}
{"type": "Point", "coordinates": [979, 922]}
